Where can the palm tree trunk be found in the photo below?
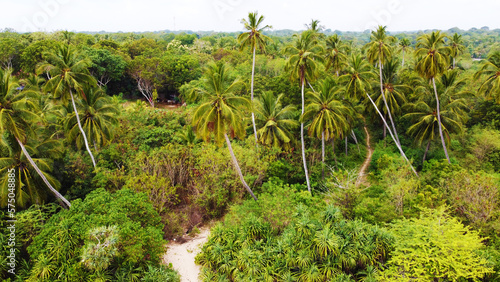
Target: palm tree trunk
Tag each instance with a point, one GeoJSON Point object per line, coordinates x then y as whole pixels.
{"type": "Point", "coordinates": [302, 140]}
{"type": "Point", "coordinates": [403, 62]}
{"type": "Point", "coordinates": [426, 150]}
{"type": "Point", "coordinates": [237, 167]}
{"type": "Point", "coordinates": [385, 101]}
{"type": "Point", "coordinates": [439, 121]}
{"type": "Point", "coordinates": [355, 140]}
{"type": "Point", "coordinates": [81, 129]}
{"type": "Point", "coordinates": [323, 154]}
{"type": "Point", "coordinates": [390, 132]}
{"type": "Point", "coordinates": [40, 173]}
{"type": "Point", "coordinates": [311, 86]}
{"type": "Point", "coordinates": [453, 63]}
{"type": "Point", "coordinates": [251, 97]}
{"type": "Point", "coordinates": [345, 145]}
{"type": "Point", "coordinates": [385, 133]}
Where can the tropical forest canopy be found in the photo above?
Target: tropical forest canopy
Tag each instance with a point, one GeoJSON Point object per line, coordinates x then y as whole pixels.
{"type": "Point", "coordinates": [315, 155]}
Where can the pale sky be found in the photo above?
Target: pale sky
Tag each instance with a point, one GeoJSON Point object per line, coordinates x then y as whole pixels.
{"type": "Point", "coordinates": [225, 15]}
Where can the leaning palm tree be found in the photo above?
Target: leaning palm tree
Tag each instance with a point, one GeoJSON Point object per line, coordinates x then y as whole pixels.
{"type": "Point", "coordinates": [219, 113]}
{"type": "Point", "coordinates": [491, 70]}
{"type": "Point", "coordinates": [17, 119]}
{"type": "Point", "coordinates": [254, 39]}
{"type": "Point", "coordinates": [275, 121]}
{"type": "Point", "coordinates": [328, 116]}
{"type": "Point", "coordinates": [357, 80]}
{"type": "Point", "coordinates": [303, 64]}
{"type": "Point", "coordinates": [404, 44]}
{"type": "Point", "coordinates": [68, 72]}
{"type": "Point", "coordinates": [433, 61]}
{"type": "Point", "coordinates": [379, 51]}
{"type": "Point", "coordinates": [98, 120]}
{"type": "Point", "coordinates": [456, 47]}
{"type": "Point", "coordinates": [336, 50]}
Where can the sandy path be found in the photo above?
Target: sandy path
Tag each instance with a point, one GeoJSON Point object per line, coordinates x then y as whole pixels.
{"type": "Point", "coordinates": [366, 163]}
{"type": "Point", "coordinates": [182, 255]}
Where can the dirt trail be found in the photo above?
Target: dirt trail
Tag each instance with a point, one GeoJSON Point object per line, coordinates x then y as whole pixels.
{"type": "Point", "coordinates": [182, 255]}
{"type": "Point", "coordinates": [366, 163]}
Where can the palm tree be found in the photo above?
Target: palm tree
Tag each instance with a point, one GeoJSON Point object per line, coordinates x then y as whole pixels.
{"type": "Point", "coordinates": [275, 121]}
{"type": "Point", "coordinates": [404, 44]}
{"type": "Point", "coordinates": [17, 117]}
{"type": "Point", "coordinates": [328, 115]}
{"type": "Point", "coordinates": [303, 65]}
{"type": "Point", "coordinates": [254, 38]}
{"type": "Point", "coordinates": [433, 61]}
{"type": "Point", "coordinates": [336, 57]}
{"type": "Point", "coordinates": [380, 51]}
{"type": "Point", "coordinates": [491, 69]}
{"type": "Point", "coordinates": [357, 81]}
{"type": "Point", "coordinates": [456, 47]}
{"type": "Point", "coordinates": [98, 120]}
{"type": "Point", "coordinates": [220, 112]}
{"type": "Point", "coordinates": [68, 72]}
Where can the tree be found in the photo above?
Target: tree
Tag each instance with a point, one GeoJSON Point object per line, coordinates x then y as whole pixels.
{"type": "Point", "coordinates": [380, 51]}
{"type": "Point", "coordinates": [433, 61]}
{"type": "Point", "coordinates": [404, 44]}
{"type": "Point", "coordinates": [220, 112]}
{"type": "Point", "coordinates": [336, 57]}
{"type": "Point", "coordinates": [303, 64]}
{"type": "Point", "coordinates": [17, 115]}
{"type": "Point", "coordinates": [456, 47]}
{"type": "Point", "coordinates": [254, 39]}
{"type": "Point", "coordinates": [491, 70]}
{"type": "Point", "coordinates": [98, 120]}
{"type": "Point", "coordinates": [275, 121]}
{"type": "Point", "coordinates": [68, 72]}
{"type": "Point", "coordinates": [106, 66]}
{"type": "Point", "coordinates": [328, 116]}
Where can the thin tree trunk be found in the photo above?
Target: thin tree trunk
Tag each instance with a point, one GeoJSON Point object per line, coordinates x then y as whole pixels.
{"type": "Point", "coordinates": [426, 150]}
{"type": "Point", "coordinates": [311, 86]}
{"type": "Point", "coordinates": [251, 97]}
{"type": "Point", "coordinates": [390, 132]}
{"type": "Point", "coordinates": [337, 73]}
{"type": "Point", "coordinates": [453, 62]}
{"type": "Point", "coordinates": [237, 167]}
{"type": "Point", "coordinates": [302, 141]}
{"type": "Point", "coordinates": [355, 140]}
{"type": "Point", "coordinates": [81, 129]}
{"type": "Point", "coordinates": [40, 173]}
{"type": "Point", "coordinates": [345, 145]}
{"type": "Point", "coordinates": [333, 148]}
{"type": "Point", "coordinates": [439, 121]}
{"type": "Point", "coordinates": [385, 133]}
{"type": "Point", "coordinates": [403, 62]}
{"type": "Point", "coordinates": [323, 154]}
{"type": "Point", "coordinates": [385, 102]}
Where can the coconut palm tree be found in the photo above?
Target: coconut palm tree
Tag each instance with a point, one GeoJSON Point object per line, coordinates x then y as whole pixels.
{"type": "Point", "coordinates": [68, 72]}
{"type": "Point", "coordinates": [17, 119]}
{"type": "Point", "coordinates": [491, 70]}
{"type": "Point", "coordinates": [328, 116]}
{"type": "Point", "coordinates": [303, 64]}
{"type": "Point", "coordinates": [379, 51]}
{"type": "Point", "coordinates": [357, 80]}
{"type": "Point", "coordinates": [274, 121]}
{"type": "Point", "coordinates": [404, 44]}
{"type": "Point", "coordinates": [433, 61]}
{"type": "Point", "coordinates": [219, 113]}
{"type": "Point", "coordinates": [336, 50]}
{"type": "Point", "coordinates": [456, 47]}
{"type": "Point", "coordinates": [254, 39]}
{"type": "Point", "coordinates": [99, 117]}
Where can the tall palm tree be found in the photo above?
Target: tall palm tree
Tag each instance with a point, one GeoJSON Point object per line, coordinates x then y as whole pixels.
{"type": "Point", "coordinates": [491, 70]}
{"type": "Point", "coordinates": [275, 121]}
{"type": "Point", "coordinates": [357, 79]}
{"type": "Point", "coordinates": [68, 72]}
{"type": "Point", "coordinates": [220, 113]}
{"type": "Point", "coordinates": [254, 39]}
{"type": "Point", "coordinates": [336, 50]}
{"type": "Point", "coordinates": [99, 117]}
{"type": "Point", "coordinates": [456, 47]}
{"type": "Point", "coordinates": [433, 61]}
{"type": "Point", "coordinates": [17, 117]}
{"type": "Point", "coordinates": [328, 116]}
{"type": "Point", "coordinates": [404, 44]}
{"type": "Point", "coordinates": [303, 64]}
{"type": "Point", "coordinates": [379, 51]}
